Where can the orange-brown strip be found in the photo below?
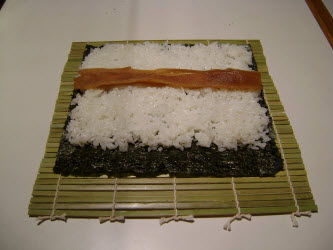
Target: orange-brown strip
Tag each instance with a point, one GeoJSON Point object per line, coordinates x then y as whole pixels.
{"type": "Point", "coordinates": [229, 79]}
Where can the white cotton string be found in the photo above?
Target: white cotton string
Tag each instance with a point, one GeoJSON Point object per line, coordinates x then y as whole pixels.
{"type": "Point", "coordinates": [239, 215]}
{"type": "Point", "coordinates": [207, 42]}
{"type": "Point", "coordinates": [189, 218]}
{"type": "Point", "coordinates": [235, 194]}
{"type": "Point", "coordinates": [298, 213]}
{"type": "Point", "coordinates": [113, 218]}
{"type": "Point", "coordinates": [176, 217]}
{"type": "Point", "coordinates": [227, 225]}
{"type": "Point", "coordinates": [52, 217]}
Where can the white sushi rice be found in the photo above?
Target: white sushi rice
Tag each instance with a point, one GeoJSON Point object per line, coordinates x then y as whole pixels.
{"type": "Point", "coordinates": [165, 117]}
{"type": "Point", "coordinates": [154, 56]}
{"type": "Point", "coordinates": [168, 117]}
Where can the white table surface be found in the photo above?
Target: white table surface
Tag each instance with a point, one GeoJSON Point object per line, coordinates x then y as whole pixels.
{"type": "Point", "coordinates": [35, 39]}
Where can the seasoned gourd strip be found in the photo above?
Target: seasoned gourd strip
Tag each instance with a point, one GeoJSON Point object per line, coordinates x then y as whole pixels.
{"type": "Point", "coordinates": [229, 79]}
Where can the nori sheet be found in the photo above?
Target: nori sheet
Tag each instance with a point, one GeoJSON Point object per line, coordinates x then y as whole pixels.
{"type": "Point", "coordinates": [192, 162]}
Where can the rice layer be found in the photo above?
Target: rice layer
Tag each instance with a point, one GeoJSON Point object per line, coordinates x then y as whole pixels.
{"type": "Point", "coordinates": [165, 117]}
{"type": "Point", "coordinates": [154, 56]}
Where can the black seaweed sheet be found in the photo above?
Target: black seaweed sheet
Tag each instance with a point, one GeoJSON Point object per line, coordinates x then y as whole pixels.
{"type": "Point", "coordinates": [192, 162]}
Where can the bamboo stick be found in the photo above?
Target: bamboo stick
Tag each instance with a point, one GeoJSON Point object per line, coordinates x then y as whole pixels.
{"type": "Point", "coordinates": [164, 213]}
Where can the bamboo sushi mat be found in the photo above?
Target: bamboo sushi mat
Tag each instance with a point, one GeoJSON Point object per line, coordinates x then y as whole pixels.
{"type": "Point", "coordinates": [81, 197]}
